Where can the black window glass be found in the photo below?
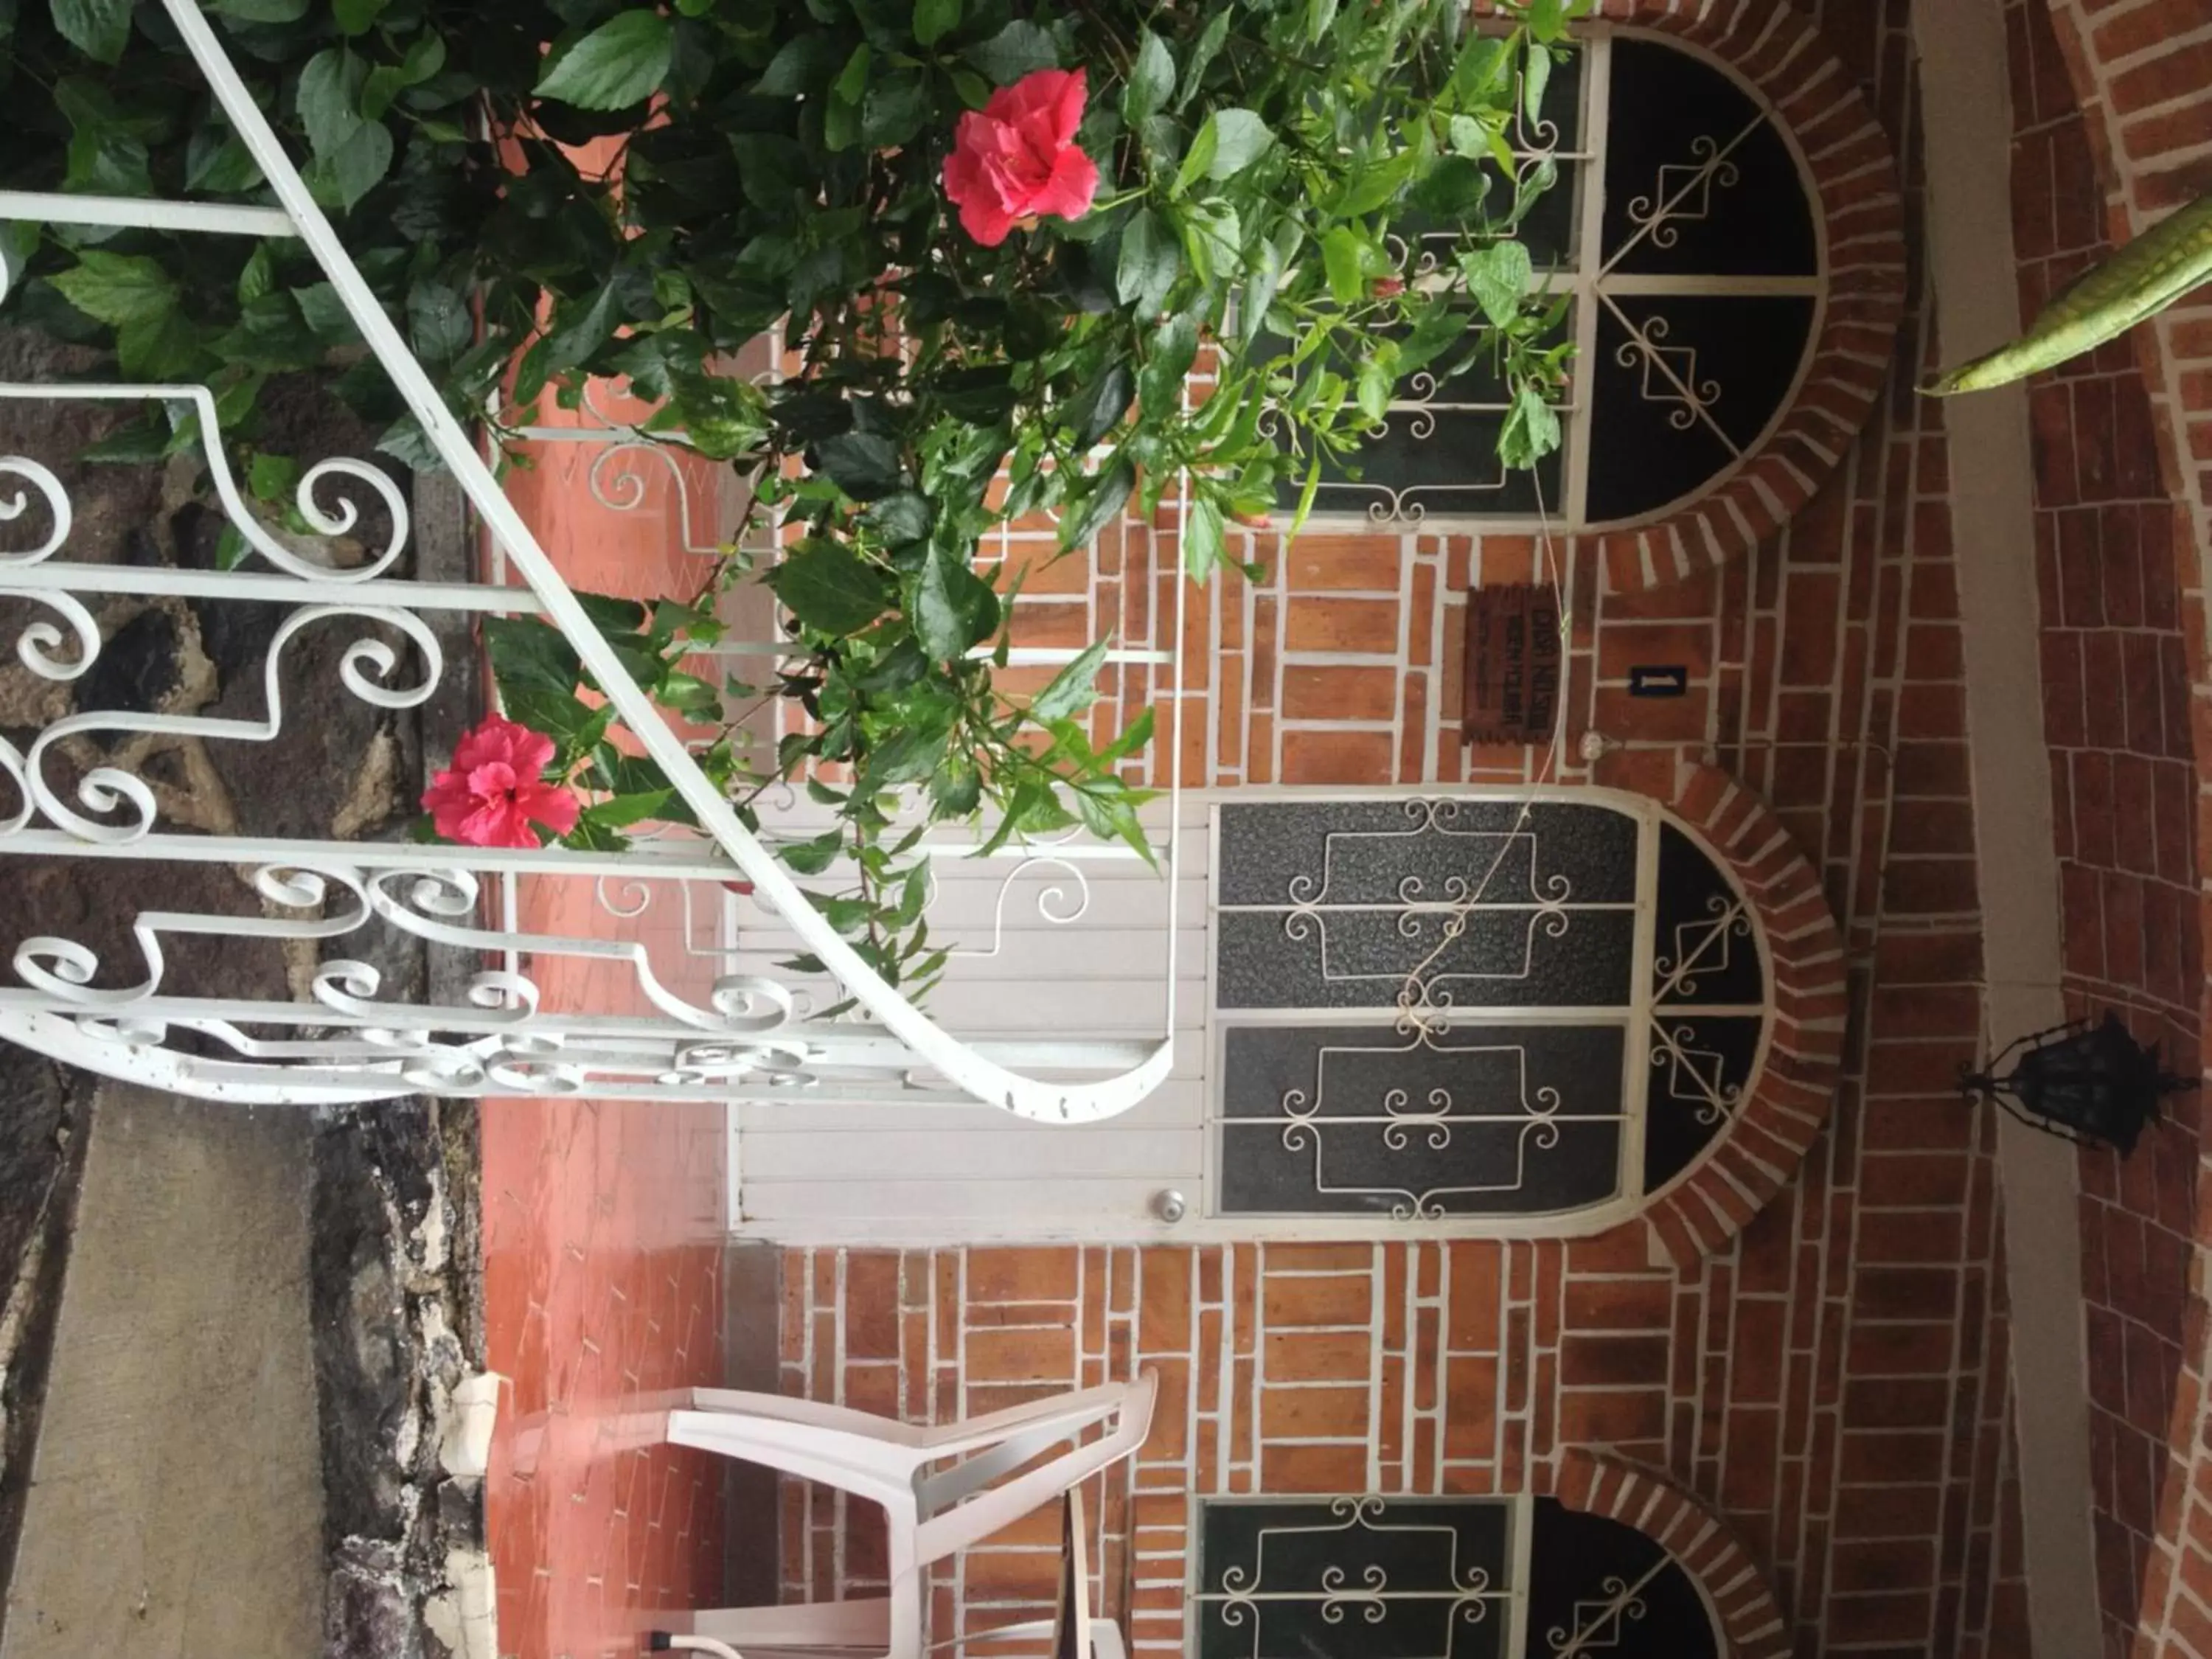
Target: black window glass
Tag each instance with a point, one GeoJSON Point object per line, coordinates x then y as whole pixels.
{"type": "Point", "coordinates": [1445, 1006]}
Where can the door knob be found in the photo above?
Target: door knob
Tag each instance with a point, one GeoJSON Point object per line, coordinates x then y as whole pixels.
{"type": "Point", "coordinates": [1169, 1206]}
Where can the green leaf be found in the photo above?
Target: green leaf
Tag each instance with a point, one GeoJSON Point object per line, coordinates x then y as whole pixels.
{"type": "Point", "coordinates": [1136, 736]}
{"type": "Point", "coordinates": [356, 16]}
{"type": "Point", "coordinates": [117, 289]}
{"type": "Point", "coordinates": [899, 518]}
{"type": "Point", "coordinates": [611, 614]}
{"type": "Point", "coordinates": [1453, 190]}
{"type": "Point", "coordinates": [559, 715]}
{"type": "Point", "coordinates": [326, 101]}
{"type": "Point", "coordinates": [1479, 74]}
{"type": "Point", "coordinates": [98, 28]}
{"type": "Point", "coordinates": [864, 465]}
{"type": "Point", "coordinates": [1373, 391]}
{"type": "Point", "coordinates": [262, 11]}
{"type": "Point", "coordinates": [1241, 137]}
{"type": "Point", "coordinates": [1203, 539]}
{"type": "Point", "coordinates": [812, 858]}
{"type": "Point", "coordinates": [895, 109]}
{"type": "Point", "coordinates": [439, 322]}
{"type": "Point", "coordinates": [220, 163]}
{"type": "Point", "coordinates": [1102, 502]}
{"type": "Point", "coordinates": [935, 19]}
{"type": "Point", "coordinates": [1203, 54]}
{"type": "Point", "coordinates": [164, 348]}
{"type": "Point", "coordinates": [1547, 19]}
{"type": "Point", "coordinates": [1531, 430]}
{"type": "Point", "coordinates": [1198, 159]}
{"type": "Point", "coordinates": [1074, 689]}
{"type": "Point", "coordinates": [1098, 408]}
{"type": "Point", "coordinates": [1150, 262]}
{"type": "Point", "coordinates": [578, 333]}
{"type": "Point", "coordinates": [1377, 186]}
{"type": "Point", "coordinates": [360, 162]}
{"type": "Point", "coordinates": [853, 80]}
{"type": "Point", "coordinates": [1260, 284]}
{"type": "Point", "coordinates": [1017, 49]}
{"type": "Point", "coordinates": [1499, 276]}
{"type": "Point", "coordinates": [1534, 80]}
{"type": "Point", "coordinates": [955, 610]}
{"type": "Point", "coordinates": [1344, 257]}
{"type": "Point", "coordinates": [1173, 349]}
{"type": "Point", "coordinates": [272, 477]}
{"type": "Point", "coordinates": [829, 588]}
{"type": "Point", "coordinates": [621, 810]}
{"type": "Point", "coordinates": [406, 442]}
{"type": "Point", "coordinates": [621, 62]}
{"type": "Point", "coordinates": [325, 312]}
{"type": "Point", "coordinates": [528, 653]}
{"type": "Point", "coordinates": [688, 694]}
{"type": "Point", "coordinates": [1151, 78]}
{"type": "Point", "coordinates": [799, 66]}
{"type": "Point", "coordinates": [259, 275]}
{"type": "Point", "coordinates": [1320, 13]}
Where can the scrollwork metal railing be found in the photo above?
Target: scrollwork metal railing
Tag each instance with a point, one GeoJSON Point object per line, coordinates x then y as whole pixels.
{"type": "Point", "coordinates": [387, 967]}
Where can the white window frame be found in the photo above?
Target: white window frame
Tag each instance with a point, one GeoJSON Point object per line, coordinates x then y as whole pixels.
{"type": "Point", "coordinates": [1520, 1509]}
{"type": "Point", "coordinates": [1589, 283]}
{"type": "Point", "coordinates": [1631, 1199]}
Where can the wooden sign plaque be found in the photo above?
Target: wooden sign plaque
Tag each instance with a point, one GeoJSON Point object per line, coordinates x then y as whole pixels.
{"type": "Point", "coordinates": [1515, 664]}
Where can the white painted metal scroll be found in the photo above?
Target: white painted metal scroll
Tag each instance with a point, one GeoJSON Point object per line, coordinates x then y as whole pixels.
{"type": "Point", "coordinates": [680, 1019]}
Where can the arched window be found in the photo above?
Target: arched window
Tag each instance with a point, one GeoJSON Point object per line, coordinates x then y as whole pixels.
{"type": "Point", "coordinates": [1437, 1578]}
{"type": "Point", "coordinates": [1499, 1014]}
{"type": "Point", "coordinates": [1683, 233]}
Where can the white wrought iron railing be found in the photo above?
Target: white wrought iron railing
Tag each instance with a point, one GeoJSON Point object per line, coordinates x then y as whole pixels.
{"type": "Point", "coordinates": [537, 983]}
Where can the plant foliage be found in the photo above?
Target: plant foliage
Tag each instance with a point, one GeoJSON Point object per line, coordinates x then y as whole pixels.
{"type": "Point", "coordinates": [1278, 180]}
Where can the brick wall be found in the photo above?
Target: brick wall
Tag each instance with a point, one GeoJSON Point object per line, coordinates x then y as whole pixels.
{"type": "Point", "coordinates": [1832, 1381]}
{"type": "Point", "coordinates": [2115, 714]}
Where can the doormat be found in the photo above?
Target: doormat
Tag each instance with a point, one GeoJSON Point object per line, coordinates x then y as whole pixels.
{"type": "Point", "coordinates": [1514, 659]}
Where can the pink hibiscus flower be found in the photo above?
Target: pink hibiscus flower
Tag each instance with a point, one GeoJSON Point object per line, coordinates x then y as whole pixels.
{"type": "Point", "coordinates": [495, 789]}
{"type": "Point", "coordinates": [1017, 157]}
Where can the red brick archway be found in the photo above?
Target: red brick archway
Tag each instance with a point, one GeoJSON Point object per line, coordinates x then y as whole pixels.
{"type": "Point", "coordinates": [2137, 71]}
{"type": "Point", "coordinates": [1782, 54]}
{"type": "Point", "coordinates": [1757, 1154]}
{"type": "Point", "coordinates": [1725, 1572]}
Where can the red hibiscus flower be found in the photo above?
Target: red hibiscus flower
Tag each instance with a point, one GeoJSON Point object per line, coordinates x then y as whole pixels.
{"type": "Point", "coordinates": [1017, 157]}
{"type": "Point", "coordinates": [494, 790]}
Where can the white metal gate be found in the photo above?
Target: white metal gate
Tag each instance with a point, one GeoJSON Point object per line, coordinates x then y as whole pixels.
{"type": "Point", "coordinates": [668, 1011]}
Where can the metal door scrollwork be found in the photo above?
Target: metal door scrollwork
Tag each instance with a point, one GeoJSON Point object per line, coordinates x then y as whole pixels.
{"type": "Point", "coordinates": [1373, 1578]}
{"type": "Point", "coordinates": [1536, 1010]}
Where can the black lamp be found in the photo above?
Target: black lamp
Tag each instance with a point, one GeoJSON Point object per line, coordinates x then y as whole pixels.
{"type": "Point", "coordinates": [2090, 1083]}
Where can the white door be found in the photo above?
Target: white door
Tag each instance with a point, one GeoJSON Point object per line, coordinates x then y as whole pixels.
{"type": "Point", "coordinates": [1047, 946]}
{"type": "Point", "coordinates": [1466, 1014]}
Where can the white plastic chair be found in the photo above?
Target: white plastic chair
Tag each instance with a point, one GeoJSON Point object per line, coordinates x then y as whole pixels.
{"type": "Point", "coordinates": [931, 1514]}
{"type": "Point", "coordinates": [1071, 1632]}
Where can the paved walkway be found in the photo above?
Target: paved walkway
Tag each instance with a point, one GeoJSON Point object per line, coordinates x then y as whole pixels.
{"type": "Point", "coordinates": [604, 1221]}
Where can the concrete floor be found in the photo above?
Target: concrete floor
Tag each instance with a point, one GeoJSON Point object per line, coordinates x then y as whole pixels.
{"type": "Point", "coordinates": [176, 1506]}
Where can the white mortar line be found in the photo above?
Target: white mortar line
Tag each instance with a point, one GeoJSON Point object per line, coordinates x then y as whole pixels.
{"type": "Point", "coordinates": [1968, 100]}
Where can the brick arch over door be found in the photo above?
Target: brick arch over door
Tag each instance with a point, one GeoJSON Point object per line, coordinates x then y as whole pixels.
{"type": "Point", "coordinates": [2138, 71]}
{"type": "Point", "coordinates": [1725, 1572]}
{"type": "Point", "coordinates": [1781, 52]}
{"type": "Point", "coordinates": [1758, 1155]}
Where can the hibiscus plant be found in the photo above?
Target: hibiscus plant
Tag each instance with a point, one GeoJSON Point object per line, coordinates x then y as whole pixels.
{"type": "Point", "coordinates": [993, 238]}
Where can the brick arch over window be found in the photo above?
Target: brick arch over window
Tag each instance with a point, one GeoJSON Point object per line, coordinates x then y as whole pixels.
{"type": "Point", "coordinates": [1781, 53]}
{"type": "Point", "coordinates": [1758, 1155]}
{"type": "Point", "coordinates": [1731, 1579]}
{"type": "Point", "coordinates": [2128, 83]}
